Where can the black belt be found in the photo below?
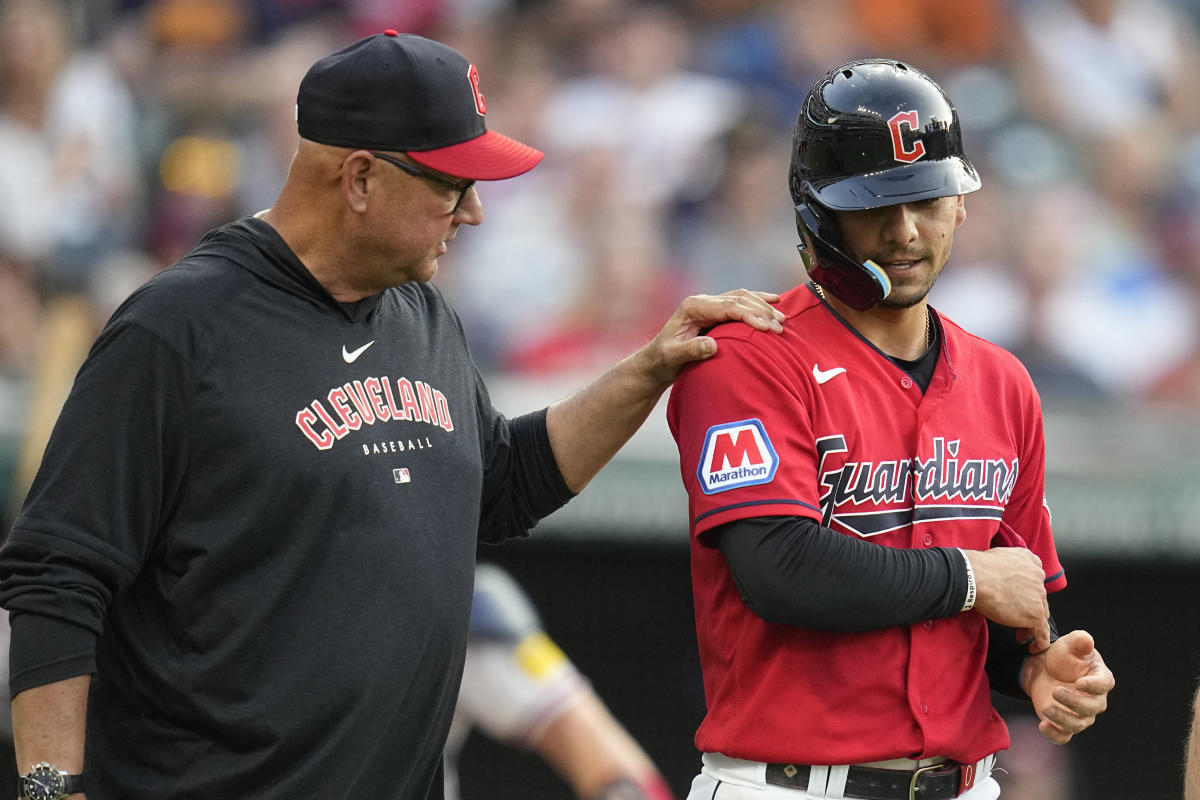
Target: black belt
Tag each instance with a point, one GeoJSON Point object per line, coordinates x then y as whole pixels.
{"type": "Point", "coordinates": [937, 782]}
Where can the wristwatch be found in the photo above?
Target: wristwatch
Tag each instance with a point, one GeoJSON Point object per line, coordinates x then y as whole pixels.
{"type": "Point", "coordinates": [47, 782]}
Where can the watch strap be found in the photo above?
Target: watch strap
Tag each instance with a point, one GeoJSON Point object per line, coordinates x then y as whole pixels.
{"type": "Point", "coordinates": [72, 784]}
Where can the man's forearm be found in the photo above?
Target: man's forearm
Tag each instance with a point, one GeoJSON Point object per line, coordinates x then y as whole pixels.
{"type": "Point", "coordinates": [49, 723]}
{"type": "Point", "coordinates": [587, 428]}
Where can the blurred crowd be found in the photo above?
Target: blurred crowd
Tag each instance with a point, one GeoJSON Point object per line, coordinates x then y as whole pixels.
{"type": "Point", "coordinates": [128, 129]}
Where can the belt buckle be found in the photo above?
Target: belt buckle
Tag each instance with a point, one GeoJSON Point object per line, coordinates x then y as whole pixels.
{"type": "Point", "coordinates": [917, 773]}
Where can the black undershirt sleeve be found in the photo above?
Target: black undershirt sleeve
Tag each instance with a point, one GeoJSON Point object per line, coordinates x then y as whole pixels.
{"type": "Point", "coordinates": [791, 570]}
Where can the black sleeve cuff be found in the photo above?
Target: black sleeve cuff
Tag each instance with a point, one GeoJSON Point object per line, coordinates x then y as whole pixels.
{"type": "Point", "coordinates": [541, 483]}
{"type": "Point", "coordinates": [532, 439]}
{"type": "Point", "coordinates": [524, 483]}
{"type": "Point", "coordinates": [47, 649]}
{"type": "Point", "coordinates": [956, 595]}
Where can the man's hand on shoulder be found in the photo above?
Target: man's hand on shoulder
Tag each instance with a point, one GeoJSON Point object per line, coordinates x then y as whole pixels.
{"type": "Point", "coordinates": [680, 340]}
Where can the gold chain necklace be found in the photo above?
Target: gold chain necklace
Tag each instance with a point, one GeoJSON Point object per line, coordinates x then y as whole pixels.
{"type": "Point", "coordinates": [928, 324]}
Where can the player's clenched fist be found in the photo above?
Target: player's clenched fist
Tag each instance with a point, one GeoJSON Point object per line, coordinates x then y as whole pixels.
{"type": "Point", "coordinates": [1069, 686]}
{"type": "Point", "coordinates": [1011, 591]}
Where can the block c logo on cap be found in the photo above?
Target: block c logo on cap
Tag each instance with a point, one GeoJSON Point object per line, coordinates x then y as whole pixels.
{"type": "Point", "coordinates": [736, 454]}
{"type": "Point", "coordinates": [480, 103]}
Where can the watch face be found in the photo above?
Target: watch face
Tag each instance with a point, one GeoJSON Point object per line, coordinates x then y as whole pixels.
{"type": "Point", "coordinates": [43, 782]}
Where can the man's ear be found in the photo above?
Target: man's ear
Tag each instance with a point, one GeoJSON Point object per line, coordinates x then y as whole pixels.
{"type": "Point", "coordinates": [357, 177]}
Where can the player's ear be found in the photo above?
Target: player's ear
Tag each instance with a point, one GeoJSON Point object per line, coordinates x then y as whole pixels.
{"type": "Point", "coordinates": [960, 213]}
{"type": "Point", "coordinates": [358, 175]}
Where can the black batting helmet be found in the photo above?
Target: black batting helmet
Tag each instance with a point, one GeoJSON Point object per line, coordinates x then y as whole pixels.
{"type": "Point", "coordinates": [871, 133]}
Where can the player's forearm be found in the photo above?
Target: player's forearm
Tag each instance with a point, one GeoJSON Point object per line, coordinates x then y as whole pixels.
{"type": "Point", "coordinates": [791, 570]}
{"type": "Point", "coordinates": [49, 723]}
{"type": "Point", "coordinates": [591, 750]}
{"type": "Point", "coordinates": [587, 428]}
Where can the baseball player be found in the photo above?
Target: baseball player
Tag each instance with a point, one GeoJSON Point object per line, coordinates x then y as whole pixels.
{"type": "Point", "coordinates": [518, 687]}
{"type": "Point", "coordinates": [871, 548]}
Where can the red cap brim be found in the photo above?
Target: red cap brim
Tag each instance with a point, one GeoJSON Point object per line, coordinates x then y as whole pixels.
{"type": "Point", "coordinates": [490, 157]}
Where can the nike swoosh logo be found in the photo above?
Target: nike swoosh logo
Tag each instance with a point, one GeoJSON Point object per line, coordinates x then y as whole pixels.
{"type": "Point", "coordinates": [823, 375]}
{"type": "Point", "coordinates": [351, 356]}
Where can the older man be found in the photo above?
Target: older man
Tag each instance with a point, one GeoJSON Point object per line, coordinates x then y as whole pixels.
{"type": "Point", "coordinates": [255, 522]}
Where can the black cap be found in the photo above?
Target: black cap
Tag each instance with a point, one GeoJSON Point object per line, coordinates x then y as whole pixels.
{"type": "Point", "coordinates": [406, 93]}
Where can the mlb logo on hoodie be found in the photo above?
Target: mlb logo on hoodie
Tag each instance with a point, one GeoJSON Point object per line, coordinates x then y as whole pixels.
{"type": "Point", "coordinates": [736, 454]}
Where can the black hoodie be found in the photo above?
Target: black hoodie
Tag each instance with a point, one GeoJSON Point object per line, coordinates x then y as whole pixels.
{"type": "Point", "coordinates": [256, 522]}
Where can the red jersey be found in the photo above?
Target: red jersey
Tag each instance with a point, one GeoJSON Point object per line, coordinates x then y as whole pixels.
{"type": "Point", "coordinates": [816, 422]}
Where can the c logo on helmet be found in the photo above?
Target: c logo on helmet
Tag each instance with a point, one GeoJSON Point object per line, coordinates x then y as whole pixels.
{"type": "Point", "coordinates": [900, 152]}
{"type": "Point", "coordinates": [480, 103]}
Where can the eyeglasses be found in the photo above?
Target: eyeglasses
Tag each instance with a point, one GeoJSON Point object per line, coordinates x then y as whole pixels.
{"type": "Point", "coordinates": [417, 172]}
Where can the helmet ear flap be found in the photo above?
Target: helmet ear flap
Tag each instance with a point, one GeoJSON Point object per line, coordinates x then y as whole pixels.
{"type": "Point", "coordinates": [860, 286]}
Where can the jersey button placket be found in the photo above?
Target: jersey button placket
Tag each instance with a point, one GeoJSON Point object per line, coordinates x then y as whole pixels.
{"type": "Point", "coordinates": [906, 382]}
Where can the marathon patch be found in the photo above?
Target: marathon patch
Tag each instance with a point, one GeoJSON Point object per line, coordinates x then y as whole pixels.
{"type": "Point", "coordinates": [736, 454]}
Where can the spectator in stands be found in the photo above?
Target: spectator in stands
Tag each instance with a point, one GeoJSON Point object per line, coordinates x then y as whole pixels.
{"type": "Point", "coordinates": [69, 178]}
{"type": "Point", "coordinates": [743, 232]}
